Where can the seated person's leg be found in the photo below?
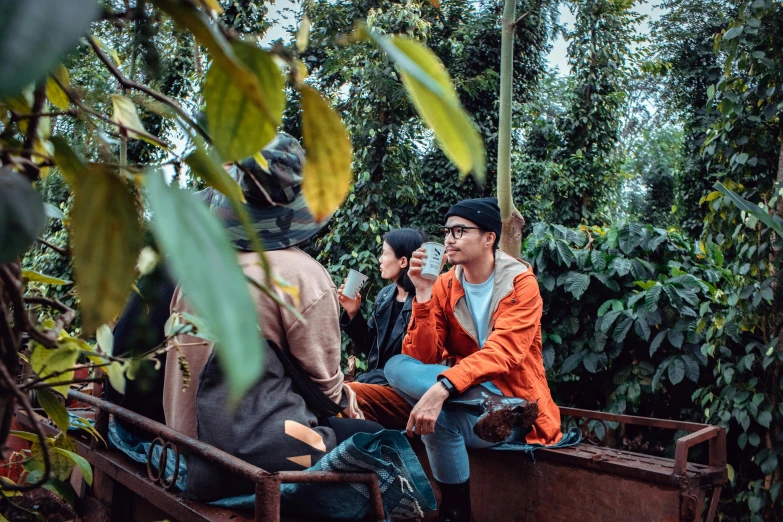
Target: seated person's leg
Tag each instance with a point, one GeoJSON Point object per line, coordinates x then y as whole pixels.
{"type": "Point", "coordinates": [344, 428]}
{"type": "Point", "coordinates": [411, 378]}
{"type": "Point", "coordinates": [382, 405]}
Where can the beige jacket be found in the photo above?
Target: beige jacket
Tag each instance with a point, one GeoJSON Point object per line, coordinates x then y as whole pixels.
{"type": "Point", "coordinates": [314, 343]}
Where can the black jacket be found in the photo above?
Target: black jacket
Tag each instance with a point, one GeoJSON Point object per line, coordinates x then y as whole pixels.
{"type": "Point", "coordinates": [368, 334]}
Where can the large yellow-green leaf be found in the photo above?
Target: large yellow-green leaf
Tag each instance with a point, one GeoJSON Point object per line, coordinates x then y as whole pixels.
{"type": "Point", "coordinates": [46, 361]}
{"type": "Point", "coordinates": [53, 91]}
{"type": "Point", "coordinates": [54, 409]}
{"type": "Point", "coordinates": [205, 262]}
{"type": "Point", "coordinates": [31, 275]}
{"type": "Point", "coordinates": [125, 115]}
{"type": "Point", "coordinates": [106, 241]}
{"type": "Point", "coordinates": [327, 174]}
{"type": "Point", "coordinates": [430, 87]}
{"type": "Point", "coordinates": [206, 32]}
{"type": "Point", "coordinates": [62, 464]}
{"type": "Point", "coordinates": [238, 127]}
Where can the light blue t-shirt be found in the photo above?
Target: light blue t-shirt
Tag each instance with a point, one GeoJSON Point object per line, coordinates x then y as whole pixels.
{"type": "Point", "coordinates": [479, 299]}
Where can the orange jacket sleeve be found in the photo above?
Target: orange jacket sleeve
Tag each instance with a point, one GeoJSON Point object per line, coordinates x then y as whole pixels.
{"type": "Point", "coordinates": [509, 342]}
{"type": "Point", "coordinates": [426, 337]}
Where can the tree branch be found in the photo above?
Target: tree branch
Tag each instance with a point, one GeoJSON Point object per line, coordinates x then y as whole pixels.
{"type": "Point", "coordinates": [514, 24]}
{"type": "Point", "coordinates": [32, 128]}
{"type": "Point", "coordinates": [130, 84]}
{"type": "Point", "coordinates": [59, 250]}
{"type": "Point", "coordinates": [51, 303]}
{"type": "Point", "coordinates": [40, 385]}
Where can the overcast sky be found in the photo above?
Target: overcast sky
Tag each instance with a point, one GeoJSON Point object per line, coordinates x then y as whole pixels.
{"type": "Point", "coordinates": [557, 57]}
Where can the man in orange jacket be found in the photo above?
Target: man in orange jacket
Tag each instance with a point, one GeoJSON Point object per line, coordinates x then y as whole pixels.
{"type": "Point", "coordinates": [483, 319]}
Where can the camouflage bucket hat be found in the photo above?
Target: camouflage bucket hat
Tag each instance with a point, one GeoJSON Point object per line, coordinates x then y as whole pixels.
{"type": "Point", "coordinates": [278, 211]}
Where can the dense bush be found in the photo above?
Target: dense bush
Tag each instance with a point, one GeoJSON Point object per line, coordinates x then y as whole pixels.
{"type": "Point", "coordinates": [642, 320]}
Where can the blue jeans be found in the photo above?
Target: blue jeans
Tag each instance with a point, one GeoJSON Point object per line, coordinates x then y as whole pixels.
{"type": "Point", "coordinates": [447, 447]}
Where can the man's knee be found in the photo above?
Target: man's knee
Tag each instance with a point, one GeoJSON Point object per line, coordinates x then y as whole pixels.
{"type": "Point", "coordinates": [395, 369]}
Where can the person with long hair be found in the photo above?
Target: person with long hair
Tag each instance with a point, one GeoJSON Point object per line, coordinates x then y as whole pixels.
{"type": "Point", "coordinates": [380, 335]}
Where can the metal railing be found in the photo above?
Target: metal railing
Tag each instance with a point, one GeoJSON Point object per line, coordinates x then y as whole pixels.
{"type": "Point", "coordinates": [267, 484]}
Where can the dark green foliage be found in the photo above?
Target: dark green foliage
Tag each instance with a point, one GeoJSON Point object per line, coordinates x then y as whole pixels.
{"type": "Point", "coordinates": [683, 50]}
{"type": "Point", "coordinates": [644, 321]}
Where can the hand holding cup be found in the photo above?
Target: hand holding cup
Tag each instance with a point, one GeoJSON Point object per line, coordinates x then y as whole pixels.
{"type": "Point", "coordinates": [351, 306]}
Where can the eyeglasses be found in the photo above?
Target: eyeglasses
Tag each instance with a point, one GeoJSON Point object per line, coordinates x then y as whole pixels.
{"type": "Point", "coordinates": [456, 230]}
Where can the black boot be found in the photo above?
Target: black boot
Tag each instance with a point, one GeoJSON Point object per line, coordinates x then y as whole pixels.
{"type": "Point", "coordinates": [499, 415]}
{"type": "Point", "coordinates": [454, 502]}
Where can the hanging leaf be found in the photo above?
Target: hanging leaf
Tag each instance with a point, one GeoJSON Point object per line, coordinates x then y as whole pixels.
{"type": "Point", "coordinates": [71, 166]}
{"type": "Point", "coordinates": [205, 262]}
{"type": "Point", "coordinates": [691, 367]}
{"type": "Point", "coordinates": [598, 260]}
{"type": "Point", "coordinates": [54, 92]}
{"type": "Point", "coordinates": [54, 409]}
{"type": "Point", "coordinates": [53, 212]}
{"type": "Point", "coordinates": [548, 356]}
{"type": "Point", "coordinates": [22, 217]}
{"type": "Point", "coordinates": [594, 362]}
{"type": "Point", "coordinates": [207, 165]}
{"type": "Point", "coordinates": [303, 35]}
{"type": "Point", "coordinates": [750, 208]}
{"type": "Point", "coordinates": [45, 362]}
{"type": "Point", "coordinates": [116, 373]}
{"type": "Point", "coordinates": [621, 265]}
{"type": "Point", "coordinates": [429, 86]}
{"type": "Point", "coordinates": [652, 297]}
{"type": "Point", "coordinates": [106, 240]}
{"type": "Point", "coordinates": [676, 371]}
{"type": "Point", "coordinates": [608, 282]}
{"type": "Point", "coordinates": [572, 362]}
{"type": "Point", "coordinates": [327, 174]}
{"type": "Point", "coordinates": [35, 277]}
{"type": "Point", "coordinates": [642, 329]}
{"type": "Point", "coordinates": [564, 252]}
{"type": "Point", "coordinates": [656, 343]}
{"type": "Point", "coordinates": [80, 461]}
{"type": "Point", "coordinates": [676, 338]}
{"type": "Point", "coordinates": [126, 116]}
{"type": "Point", "coordinates": [35, 34]}
{"type": "Point", "coordinates": [622, 329]}
{"type": "Point", "coordinates": [577, 284]}
{"type": "Point", "coordinates": [238, 127]}
{"type": "Point", "coordinates": [105, 339]}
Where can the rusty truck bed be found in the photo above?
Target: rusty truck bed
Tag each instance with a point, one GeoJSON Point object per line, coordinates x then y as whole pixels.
{"type": "Point", "coordinates": [583, 482]}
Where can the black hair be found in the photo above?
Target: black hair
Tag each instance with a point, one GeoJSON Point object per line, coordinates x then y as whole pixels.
{"type": "Point", "coordinates": [404, 242]}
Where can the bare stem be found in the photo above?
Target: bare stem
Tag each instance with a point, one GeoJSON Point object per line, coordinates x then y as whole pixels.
{"type": "Point", "coordinates": [59, 250]}
{"type": "Point", "coordinates": [24, 402]}
{"type": "Point", "coordinates": [130, 84]}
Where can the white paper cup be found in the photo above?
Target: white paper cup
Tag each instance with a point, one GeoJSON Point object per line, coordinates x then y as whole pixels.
{"type": "Point", "coordinates": [353, 283]}
{"type": "Point", "coordinates": [433, 264]}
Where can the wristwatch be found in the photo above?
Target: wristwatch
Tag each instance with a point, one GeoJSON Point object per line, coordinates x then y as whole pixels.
{"type": "Point", "coordinates": [449, 386]}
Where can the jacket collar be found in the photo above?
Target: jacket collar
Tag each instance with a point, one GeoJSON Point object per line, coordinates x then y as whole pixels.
{"type": "Point", "coordinates": [382, 310]}
{"type": "Point", "coordinates": [386, 297]}
{"type": "Point", "coordinates": [507, 269]}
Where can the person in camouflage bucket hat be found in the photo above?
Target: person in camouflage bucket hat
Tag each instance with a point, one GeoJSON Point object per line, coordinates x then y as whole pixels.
{"type": "Point", "coordinates": [274, 427]}
{"type": "Point", "coordinates": [277, 209]}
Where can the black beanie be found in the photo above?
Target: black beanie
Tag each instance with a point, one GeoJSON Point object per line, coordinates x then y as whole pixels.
{"type": "Point", "coordinates": [484, 212]}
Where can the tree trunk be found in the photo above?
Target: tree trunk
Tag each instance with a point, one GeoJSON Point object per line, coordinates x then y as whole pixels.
{"type": "Point", "coordinates": [513, 222]}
